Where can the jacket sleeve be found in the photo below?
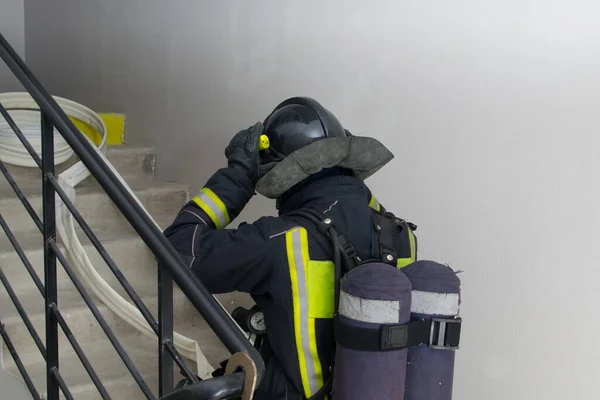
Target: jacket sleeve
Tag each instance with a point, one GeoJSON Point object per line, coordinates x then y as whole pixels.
{"type": "Point", "coordinates": [224, 260]}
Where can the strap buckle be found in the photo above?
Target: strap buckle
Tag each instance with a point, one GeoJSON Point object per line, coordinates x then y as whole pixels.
{"type": "Point", "coordinates": [393, 336]}
{"type": "Point", "coordinates": [351, 259]}
{"type": "Point", "coordinates": [444, 333]}
{"type": "Point", "coordinates": [348, 250]}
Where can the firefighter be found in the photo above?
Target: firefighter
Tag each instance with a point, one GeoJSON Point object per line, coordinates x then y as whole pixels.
{"type": "Point", "coordinates": [283, 262]}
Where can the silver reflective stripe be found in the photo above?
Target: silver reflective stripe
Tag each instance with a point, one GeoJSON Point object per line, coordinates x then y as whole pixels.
{"type": "Point", "coordinates": [280, 233]}
{"type": "Point", "coordinates": [367, 310]}
{"type": "Point", "coordinates": [214, 208]}
{"type": "Point", "coordinates": [430, 303]}
{"type": "Point", "coordinates": [303, 299]}
{"type": "Point", "coordinates": [375, 204]}
{"type": "Point", "coordinates": [194, 240]}
{"type": "Point", "coordinates": [199, 217]}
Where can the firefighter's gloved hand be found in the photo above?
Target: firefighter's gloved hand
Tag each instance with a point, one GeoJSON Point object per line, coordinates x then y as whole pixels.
{"type": "Point", "coordinates": [242, 152]}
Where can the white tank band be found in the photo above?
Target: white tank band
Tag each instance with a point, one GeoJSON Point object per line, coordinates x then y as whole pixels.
{"type": "Point", "coordinates": [367, 310]}
{"type": "Point", "coordinates": [430, 303]}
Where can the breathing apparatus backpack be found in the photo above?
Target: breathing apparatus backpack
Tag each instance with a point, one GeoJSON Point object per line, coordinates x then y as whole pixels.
{"type": "Point", "coordinates": [396, 321]}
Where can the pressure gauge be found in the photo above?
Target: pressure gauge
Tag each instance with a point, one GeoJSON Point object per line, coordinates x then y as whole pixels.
{"type": "Point", "coordinates": [252, 320]}
{"type": "Point", "coordinates": [256, 321]}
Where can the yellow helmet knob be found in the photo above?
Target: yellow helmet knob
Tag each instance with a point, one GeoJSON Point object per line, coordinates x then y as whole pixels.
{"type": "Point", "coordinates": [263, 143]}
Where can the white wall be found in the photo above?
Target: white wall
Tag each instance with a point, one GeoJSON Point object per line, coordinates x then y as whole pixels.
{"type": "Point", "coordinates": [492, 109]}
{"type": "Point", "coordinates": [12, 27]}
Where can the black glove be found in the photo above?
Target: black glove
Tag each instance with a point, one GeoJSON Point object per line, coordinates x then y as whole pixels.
{"type": "Point", "coordinates": [242, 153]}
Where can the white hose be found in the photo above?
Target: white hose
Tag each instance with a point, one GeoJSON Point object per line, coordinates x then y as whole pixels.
{"type": "Point", "coordinates": [13, 152]}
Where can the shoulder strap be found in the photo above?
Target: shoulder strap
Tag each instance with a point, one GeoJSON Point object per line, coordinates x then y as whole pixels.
{"type": "Point", "coordinates": [326, 226]}
{"type": "Point", "coordinates": [383, 237]}
{"type": "Point", "coordinates": [386, 227]}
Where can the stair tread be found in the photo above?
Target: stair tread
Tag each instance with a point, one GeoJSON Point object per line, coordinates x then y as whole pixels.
{"type": "Point", "coordinates": [91, 186]}
{"type": "Point", "coordinates": [128, 251]}
{"type": "Point", "coordinates": [119, 388]}
{"type": "Point", "coordinates": [187, 319]}
{"type": "Point", "coordinates": [104, 360]}
{"type": "Point", "coordinates": [162, 200]}
{"type": "Point", "coordinates": [33, 241]}
{"type": "Point", "coordinates": [127, 148]}
{"type": "Point", "coordinates": [103, 357]}
{"type": "Point", "coordinates": [128, 160]}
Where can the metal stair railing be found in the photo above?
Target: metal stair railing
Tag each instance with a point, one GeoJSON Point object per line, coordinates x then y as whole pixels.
{"type": "Point", "coordinates": [171, 267]}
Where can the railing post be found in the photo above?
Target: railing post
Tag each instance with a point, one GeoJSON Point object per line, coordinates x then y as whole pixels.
{"type": "Point", "coordinates": [49, 220]}
{"type": "Point", "coordinates": [165, 331]}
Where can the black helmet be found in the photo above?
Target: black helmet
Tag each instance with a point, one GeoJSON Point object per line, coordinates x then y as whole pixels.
{"type": "Point", "coordinates": [319, 142]}
{"type": "Point", "coordinates": [298, 122]}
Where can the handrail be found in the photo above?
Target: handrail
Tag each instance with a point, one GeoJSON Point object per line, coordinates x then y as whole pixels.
{"type": "Point", "coordinates": [214, 314]}
{"type": "Point", "coordinates": [210, 389]}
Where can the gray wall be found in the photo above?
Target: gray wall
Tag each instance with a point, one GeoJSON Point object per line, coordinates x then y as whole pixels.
{"type": "Point", "coordinates": [492, 109]}
{"type": "Point", "coordinates": [12, 27]}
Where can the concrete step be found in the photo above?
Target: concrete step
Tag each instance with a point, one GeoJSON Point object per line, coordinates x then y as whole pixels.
{"type": "Point", "coordinates": [133, 160]}
{"type": "Point", "coordinates": [128, 251]}
{"type": "Point", "coordinates": [187, 321]}
{"type": "Point", "coordinates": [129, 160]}
{"type": "Point", "coordinates": [101, 354]}
{"type": "Point", "coordinates": [104, 359]}
{"type": "Point", "coordinates": [119, 388]}
{"type": "Point", "coordinates": [162, 200]}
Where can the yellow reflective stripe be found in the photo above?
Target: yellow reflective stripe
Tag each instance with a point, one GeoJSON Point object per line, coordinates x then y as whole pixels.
{"type": "Point", "coordinates": [312, 334]}
{"type": "Point", "coordinates": [304, 326]}
{"type": "Point", "coordinates": [221, 206]}
{"type": "Point", "coordinates": [212, 205]}
{"type": "Point", "coordinates": [312, 339]}
{"type": "Point", "coordinates": [413, 248]}
{"type": "Point", "coordinates": [321, 285]}
{"type": "Point", "coordinates": [296, 303]}
{"type": "Point", "coordinates": [374, 204]}
{"type": "Point", "coordinates": [403, 262]}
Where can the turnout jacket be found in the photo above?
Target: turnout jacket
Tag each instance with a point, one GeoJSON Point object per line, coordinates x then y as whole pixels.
{"type": "Point", "coordinates": [284, 263]}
